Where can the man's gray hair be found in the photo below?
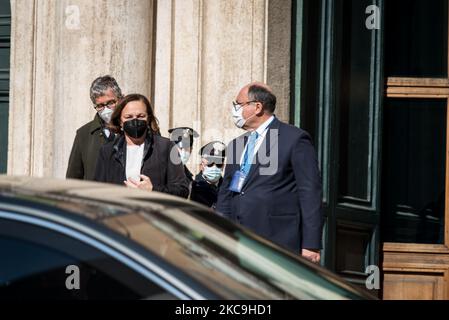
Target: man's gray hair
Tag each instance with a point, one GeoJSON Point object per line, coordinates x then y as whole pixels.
{"type": "Point", "coordinates": [101, 85]}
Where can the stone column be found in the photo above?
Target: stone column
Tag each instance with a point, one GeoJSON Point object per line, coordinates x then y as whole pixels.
{"type": "Point", "coordinates": [279, 47]}
{"type": "Point", "coordinates": [58, 48]}
{"type": "Point", "coordinates": [206, 50]}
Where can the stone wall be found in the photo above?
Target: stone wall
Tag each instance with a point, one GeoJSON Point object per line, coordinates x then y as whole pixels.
{"type": "Point", "coordinates": [189, 56]}
{"type": "Point", "coordinates": [58, 47]}
{"type": "Point", "coordinates": [206, 50]}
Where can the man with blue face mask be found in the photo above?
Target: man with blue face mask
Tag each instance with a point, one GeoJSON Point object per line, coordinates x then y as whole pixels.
{"type": "Point", "coordinates": [183, 138]}
{"type": "Point", "coordinates": [207, 183]}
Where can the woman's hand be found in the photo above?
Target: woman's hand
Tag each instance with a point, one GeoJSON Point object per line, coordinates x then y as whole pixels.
{"type": "Point", "coordinates": [145, 184]}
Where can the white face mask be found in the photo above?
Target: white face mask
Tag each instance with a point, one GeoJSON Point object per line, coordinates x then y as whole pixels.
{"type": "Point", "coordinates": [237, 117]}
{"type": "Point", "coordinates": [212, 174]}
{"type": "Point", "coordinates": [106, 114]}
{"type": "Point", "coordinates": [185, 155]}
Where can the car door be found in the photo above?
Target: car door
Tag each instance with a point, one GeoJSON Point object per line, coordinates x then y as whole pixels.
{"type": "Point", "coordinates": [39, 262]}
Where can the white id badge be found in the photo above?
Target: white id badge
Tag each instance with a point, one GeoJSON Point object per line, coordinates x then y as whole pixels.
{"type": "Point", "coordinates": [237, 181]}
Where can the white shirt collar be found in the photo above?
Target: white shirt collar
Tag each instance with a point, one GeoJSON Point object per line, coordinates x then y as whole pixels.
{"type": "Point", "coordinates": [264, 125]}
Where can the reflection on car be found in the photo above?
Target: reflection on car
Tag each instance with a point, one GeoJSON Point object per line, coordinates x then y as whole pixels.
{"type": "Point", "coordinates": [69, 239]}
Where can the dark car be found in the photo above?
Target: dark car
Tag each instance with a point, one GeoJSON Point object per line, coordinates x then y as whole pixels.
{"type": "Point", "coordinates": [70, 239]}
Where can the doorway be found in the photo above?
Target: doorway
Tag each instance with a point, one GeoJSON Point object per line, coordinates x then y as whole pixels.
{"type": "Point", "coordinates": [415, 148]}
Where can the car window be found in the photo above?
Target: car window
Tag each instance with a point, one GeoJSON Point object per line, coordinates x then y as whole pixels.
{"type": "Point", "coordinates": [37, 263]}
{"type": "Point", "coordinates": [229, 262]}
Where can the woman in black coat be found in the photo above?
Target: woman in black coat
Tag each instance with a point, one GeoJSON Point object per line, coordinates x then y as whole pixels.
{"type": "Point", "coordinates": [139, 157]}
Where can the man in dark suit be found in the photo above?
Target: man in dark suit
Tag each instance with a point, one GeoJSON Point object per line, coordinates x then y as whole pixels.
{"type": "Point", "coordinates": [104, 93]}
{"type": "Point", "coordinates": [272, 183]}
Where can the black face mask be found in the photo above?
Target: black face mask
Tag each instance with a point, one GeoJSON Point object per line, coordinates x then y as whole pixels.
{"type": "Point", "coordinates": [135, 128]}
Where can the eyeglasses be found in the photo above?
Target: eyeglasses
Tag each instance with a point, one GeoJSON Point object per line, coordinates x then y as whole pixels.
{"type": "Point", "coordinates": [109, 105]}
{"type": "Point", "coordinates": [238, 106]}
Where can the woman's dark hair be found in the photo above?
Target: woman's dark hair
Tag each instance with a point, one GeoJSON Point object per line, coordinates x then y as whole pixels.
{"type": "Point", "coordinates": [153, 123]}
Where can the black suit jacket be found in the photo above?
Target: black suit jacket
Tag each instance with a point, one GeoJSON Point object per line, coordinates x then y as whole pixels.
{"type": "Point", "coordinates": [204, 192]}
{"type": "Point", "coordinates": [281, 197]}
{"type": "Point", "coordinates": [166, 176]}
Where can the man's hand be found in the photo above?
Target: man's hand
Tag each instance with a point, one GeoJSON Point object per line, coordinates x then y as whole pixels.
{"type": "Point", "coordinates": [145, 184]}
{"type": "Point", "coordinates": [312, 255]}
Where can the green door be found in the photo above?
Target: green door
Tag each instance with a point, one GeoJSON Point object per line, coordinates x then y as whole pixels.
{"type": "Point", "coordinates": [5, 45]}
{"type": "Point", "coordinates": [338, 98]}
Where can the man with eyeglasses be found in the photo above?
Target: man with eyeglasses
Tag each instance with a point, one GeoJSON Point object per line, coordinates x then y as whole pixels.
{"type": "Point", "coordinates": [208, 180]}
{"type": "Point", "coordinates": [104, 93]}
{"type": "Point", "coordinates": [272, 183]}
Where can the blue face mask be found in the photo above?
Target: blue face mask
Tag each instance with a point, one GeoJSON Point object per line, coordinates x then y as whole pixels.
{"type": "Point", "coordinates": [212, 174]}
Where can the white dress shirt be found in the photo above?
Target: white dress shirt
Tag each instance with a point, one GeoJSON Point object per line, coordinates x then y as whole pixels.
{"type": "Point", "coordinates": [134, 157]}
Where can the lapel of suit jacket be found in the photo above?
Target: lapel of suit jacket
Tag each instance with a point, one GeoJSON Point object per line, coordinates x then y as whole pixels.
{"type": "Point", "coordinates": [267, 141]}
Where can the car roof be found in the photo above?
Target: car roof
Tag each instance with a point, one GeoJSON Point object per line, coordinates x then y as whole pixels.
{"type": "Point", "coordinates": [95, 191]}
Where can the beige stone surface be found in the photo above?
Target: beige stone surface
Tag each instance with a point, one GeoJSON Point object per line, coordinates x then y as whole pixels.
{"type": "Point", "coordinates": [215, 48]}
{"type": "Point", "coordinates": [279, 46]}
{"type": "Point", "coordinates": [58, 48]}
{"type": "Point", "coordinates": [21, 88]}
{"type": "Point", "coordinates": [204, 52]}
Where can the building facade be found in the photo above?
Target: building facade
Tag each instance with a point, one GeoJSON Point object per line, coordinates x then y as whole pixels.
{"type": "Point", "coordinates": [189, 57]}
{"type": "Point", "coordinates": [367, 78]}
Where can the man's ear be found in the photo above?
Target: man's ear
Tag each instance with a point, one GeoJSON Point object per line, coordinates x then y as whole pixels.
{"type": "Point", "coordinates": [259, 108]}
